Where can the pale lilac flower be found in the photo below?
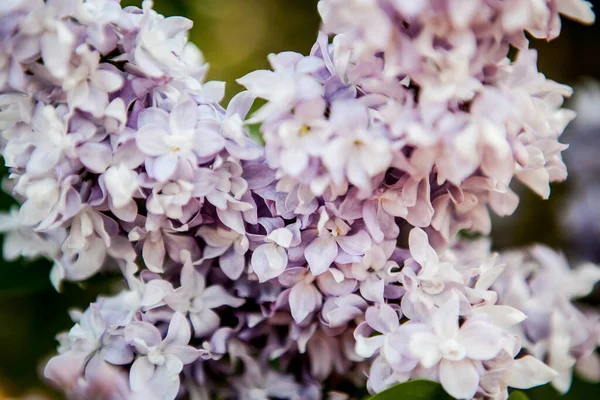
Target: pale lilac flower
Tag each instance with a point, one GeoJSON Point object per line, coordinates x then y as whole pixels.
{"type": "Point", "coordinates": [304, 297]}
{"type": "Point", "coordinates": [375, 270]}
{"type": "Point", "coordinates": [21, 241]}
{"type": "Point", "coordinates": [159, 43]}
{"type": "Point", "coordinates": [89, 84]}
{"type": "Point", "coordinates": [48, 137]}
{"type": "Point", "coordinates": [270, 259]}
{"type": "Point", "coordinates": [288, 83]}
{"type": "Point", "coordinates": [171, 139]}
{"type": "Point", "coordinates": [429, 283]}
{"type": "Point", "coordinates": [259, 382]}
{"type": "Point", "coordinates": [197, 300]}
{"type": "Point", "coordinates": [360, 150]}
{"type": "Point", "coordinates": [456, 349]}
{"type": "Point", "coordinates": [229, 246]}
{"type": "Point", "coordinates": [44, 32]}
{"type": "Point", "coordinates": [289, 258]}
{"type": "Point", "coordinates": [89, 342]}
{"type": "Point", "coordinates": [156, 369]}
{"type": "Point", "coordinates": [334, 242]}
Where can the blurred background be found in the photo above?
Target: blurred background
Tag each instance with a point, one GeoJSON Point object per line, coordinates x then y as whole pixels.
{"type": "Point", "coordinates": [235, 37]}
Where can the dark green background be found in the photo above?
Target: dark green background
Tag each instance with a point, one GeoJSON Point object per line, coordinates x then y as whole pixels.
{"type": "Point", "coordinates": [236, 36]}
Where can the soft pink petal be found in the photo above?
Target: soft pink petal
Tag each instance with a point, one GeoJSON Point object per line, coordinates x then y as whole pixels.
{"type": "Point", "coordinates": [356, 244]}
{"type": "Point", "coordinates": [420, 249]}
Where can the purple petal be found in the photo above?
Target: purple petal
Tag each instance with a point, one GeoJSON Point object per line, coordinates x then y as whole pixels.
{"type": "Point", "coordinates": [164, 167]}
{"type": "Point", "coordinates": [232, 264]}
{"type": "Point", "coordinates": [140, 374]}
{"type": "Point", "coordinates": [150, 140]}
{"type": "Point", "coordinates": [356, 244]}
{"type": "Point", "coordinates": [209, 143]}
{"type": "Point", "coordinates": [320, 254]}
{"type": "Point", "coordinates": [145, 331]}
{"type": "Point", "coordinates": [95, 156]}
{"type": "Point", "coordinates": [304, 299]}
{"type": "Point", "coordinates": [204, 322]}
{"type": "Point", "coordinates": [382, 318]}
{"type": "Point", "coordinates": [217, 296]}
{"type": "Point", "coordinates": [268, 261]}
{"type": "Point", "coordinates": [183, 118]}
{"type": "Point", "coordinates": [179, 332]}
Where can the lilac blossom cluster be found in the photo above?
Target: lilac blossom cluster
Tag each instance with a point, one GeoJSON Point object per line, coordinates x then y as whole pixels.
{"type": "Point", "coordinates": [581, 216]}
{"type": "Point", "coordinates": [279, 271]}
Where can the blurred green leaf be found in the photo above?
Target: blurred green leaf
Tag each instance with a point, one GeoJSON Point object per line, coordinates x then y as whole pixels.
{"type": "Point", "coordinates": [254, 133]}
{"type": "Point", "coordinates": [414, 390]}
{"type": "Point", "coordinates": [518, 395]}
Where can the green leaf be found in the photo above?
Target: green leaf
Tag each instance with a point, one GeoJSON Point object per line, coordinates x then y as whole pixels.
{"type": "Point", "coordinates": [414, 390]}
{"type": "Point", "coordinates": [518, 395]}
{"type": "Point", "coordinates": [254, 133]}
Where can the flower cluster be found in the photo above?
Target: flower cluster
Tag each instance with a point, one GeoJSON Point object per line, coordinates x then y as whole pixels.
{"type": "Point", "coordinates": [256, 272]}
{"type": "Point", "coordinates": [580, 217]}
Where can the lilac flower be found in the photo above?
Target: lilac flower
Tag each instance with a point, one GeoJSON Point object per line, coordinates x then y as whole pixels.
{"type": "Point", "coordinates": [375, 270]}
{"type": "Point", "coordinates": [21, 241]}
{"type": "Point", "coordinates": [198, 301]}
{"type": "Point", "coordinates": [334, 241]}
{"type": "Point", "coordinates": [47, 137]}
{"type": "Point", "coordinates": [90, 339]}
{"type": "Point", "coordinates": [291, 81]}
{"type": "Point", "coordinates": [229, 246]}
{"type": "Point", "coordinates": [171, 139]}
{"type": "Point", "coordinates": [89, 85]}
{"type": "Point", "coordinates": [270, 259]}
{"type": "Point", "coordinates": [358, 152]}
{"type": "Point", "coordinates": [259, 383]}
{"type": "Point", "coordinates": [456, 349]}
{"type": "Point", "coordinates": [434, 281]}
{"type": "Point", "coordinates": [394, 362]}
{"type": "Point", "coordinates": [159, 362]}
{"type": "Point", "coordinates": [159, 43]}
{"type": "Point", "coordinates": [289, 258]}
{"type": "Point", "coordinates": [44, 32]}
{"type": "Point", "coordinates": [304, 297]}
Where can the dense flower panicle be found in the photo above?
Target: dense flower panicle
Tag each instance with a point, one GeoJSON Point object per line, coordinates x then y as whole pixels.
{"type": "Point", "coordinates": [540, 283]}
{"type": "Point", "coordinates": [253, 272]}
{"type": "Point", "coordinates": [579, 218]}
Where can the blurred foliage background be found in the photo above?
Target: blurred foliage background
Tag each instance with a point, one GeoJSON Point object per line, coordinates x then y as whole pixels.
{"type": "Point", "coordinates": [235, 37]}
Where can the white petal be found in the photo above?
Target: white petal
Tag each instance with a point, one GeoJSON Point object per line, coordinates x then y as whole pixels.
{"type": "Point", "coordinates": [183, 118]}
{"type": "Point", "coordinates": [140, 374]}
{"type": "Point", "coordinates": [268, 261]}
{"type": "Point", "coordinates": [527, 372]}
{"type": "Point", "coordinates": [482, 341]}
{"type": "Point", "coordinates": [459, 378]}
{"type": "Point", "coordinates": [282, 236]}
{"type": "Point", "coordinates": [425, 347]}
{"type": "Point", "coordinates": [420, 250]}
{"type": "Point", "coordinates": [501, 316]}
